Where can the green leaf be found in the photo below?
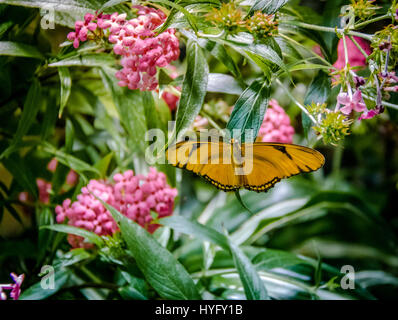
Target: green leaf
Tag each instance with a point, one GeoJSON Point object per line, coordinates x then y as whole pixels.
{"type": "Point", "coordinates": [15, 49]}
{"type": "Point", "coordinates": [252, 283]}
{"type": "Point", "coordinates": [150, 110]}
{"type": "Point", "coordinates": [67, 11]}
{"type": "Point", "coordinates": [220, 53]}
{"type": "Point", "coordinates": [66, 86]}
{"type": "Point", "coordinates": [36, 292]}
{"type": "Point", "coordinates": [103, 164]}
{"type": "Point", "coordinates": [271, 258]}
{"type": "Point", "coordinates": [89, 236]}
{"type": "Point", "coordinates": [254, 288]}
{"type": "Point", "coordinates": [110, 4]}
{"type": "Point", "coordinates": [30, 109]}
{"type": "Point", "coordinates": [318, 92]}
{"type": "Point", "coordinates": [249, 110]}
{"type": "Point", "coordinates": [191, 19]}
{"type": "Point", "coordinates": [193, 88]}
{"type": "Point", "coordinates": [50, 118]}
{"type": "Point", "coordinates": [266, 54]}
{"type": "Point", "coordinates": [72, 257]}
{"type": "Point", "coordinates": [45, 217]}
{"type": "Point", "coordinates": [69, 160]}
{"type": "Point", "coordinates": [193, 228]}
{"type": "Point", "coordinates": [130, 109]}
{"type": "Point", "coordinates": [267, 6]}
{"type": "Point", "coordinates": [85, 60]}
{"type": "Point", "coordinates": [23, 175]}
{"type": "Point", "coordinates": [319, 89]}
{"type": "Point", "coordinates": [219, 82]}
{"type": "Point", "coordinates": [166, 275]}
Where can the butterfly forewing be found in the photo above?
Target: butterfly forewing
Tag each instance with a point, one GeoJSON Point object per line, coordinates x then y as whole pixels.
{"type": "Point", "coordinates": [257, 166]}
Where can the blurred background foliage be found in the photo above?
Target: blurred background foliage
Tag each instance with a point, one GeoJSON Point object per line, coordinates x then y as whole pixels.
{"type": "Point", "coordinates": [303, 231]}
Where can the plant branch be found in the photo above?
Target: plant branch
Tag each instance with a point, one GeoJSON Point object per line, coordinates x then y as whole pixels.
{"type": "Point", "coordinates": [304, 109]}
{"type": "Point", "coordinates": [365, 23]}
{"type": "Point", "coordinates": [330, 29]}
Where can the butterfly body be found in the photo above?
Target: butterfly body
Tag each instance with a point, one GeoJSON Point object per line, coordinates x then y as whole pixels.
{"type": "Point", "coordinates": [254, 166]}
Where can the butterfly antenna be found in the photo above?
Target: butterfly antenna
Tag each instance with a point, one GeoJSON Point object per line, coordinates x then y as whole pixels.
{"type": "Point", "coordinates": [237, 194]}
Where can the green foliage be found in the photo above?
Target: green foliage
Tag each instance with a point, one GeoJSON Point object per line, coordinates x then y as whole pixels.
{"type": "Point", "coordinates": [290, 243]}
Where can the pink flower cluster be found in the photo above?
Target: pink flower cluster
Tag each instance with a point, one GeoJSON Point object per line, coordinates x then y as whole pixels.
{"type": "Point", "coordinates": [135, 40]}
{"type": "Point", "coordinates": [14, 287]}
{"type": "Point", "coordinates": [135, 196]}
{"type": "Point", "coordinates": [276, 126]}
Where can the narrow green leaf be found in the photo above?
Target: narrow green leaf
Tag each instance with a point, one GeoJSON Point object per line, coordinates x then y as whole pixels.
{"type": "Point", "coordinates": [110, 4]}
{"type": "Point", "coordinates": [271, 258]}
{"type": "Point", "coordinates": [220, 53]}
{"type": "Point", "coordinates": [254, 288]}
{"type": "Point", "coordinates": [249, 110]}
{"type": "Point", "coordinates": [267, 6]}
{"type": "Point", "coordinates": [130, 109]}
{"type": "Point", "coordinates": [66, 86]}
{"type": "Point", "coordinates": [69, 160]}
{"type": "Point", "coordinates": [150, 110]}
{"type": "Point", "coordinates": [103, 164]}
{"type": "Point", "coordinates": [193, 88]}
{"type": "Point", "coordinates": [193, 228]}
{"type": "Point", "coordinates": [191, 19]}
{"type": "Point", "coordinates": [318, 92]}
{"type": "Point", "coordinates": [219, 82]}
{"type": "Point", "coordinates": [45, 217]}
{"type": "Point", "coordinates": [251, 281]}
{"type": "Point", "coordinates": [166, 275]}
{"type": "Point", "coordinates": [85, 60]}
{"type": "Point", "coordinates": [24, 176]}
{"type": "Point", "coordinates": [89, 236]}
{"type": "Point", "coordinates": [264, 53]}
{"type": "Point", "coordinates": [319, 89]}
{"type": "Point", "coordinates": [30, 109]}
{"type": "Point", "coordinates": [36, 292]}
{"type": "Point", "coordinates": [50, 118]}
{"type": "Point", "coordinates": [9, 48]}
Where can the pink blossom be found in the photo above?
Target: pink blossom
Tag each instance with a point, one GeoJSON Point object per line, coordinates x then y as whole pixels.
{"type": "Point", "coordinates": [389, 77]}
{"type": "Point", "coordinates": [368, 114]}
{"type": "Point", "coordinates": [71, 178]}
{"type": "Point", "coordinates": [14, 287]}
{"type": "Point", "coordinates": [391, 89]}
{"type": "Point", "coordinates": [355, 57]}
{"type": "Point", "coordinates": [276, 125]}
{"type": "Point", "coordinates": [200, 122]}
{"type": "Point", "coordinates": [81, 30]}
{"type": "Point", "coordinates": [52, 165]}
{"type": "Point", "coordinates": [135, 196]}
{"type": "Point", "coordinates": [44, 190]}
{"type": "Point", "coordinates": [354, 102]}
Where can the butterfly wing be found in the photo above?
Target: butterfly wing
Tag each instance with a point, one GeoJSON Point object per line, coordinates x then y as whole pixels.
{"type": "Point", "coordinates": [275, 161]}
{"type": "Point", "coordinates": [209, 160]}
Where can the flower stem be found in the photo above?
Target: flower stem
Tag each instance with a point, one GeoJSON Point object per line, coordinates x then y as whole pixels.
{"type": "Point", "coordinates": [365, 23]}
{"type": "Point", "coordinates": [304, 109]}
{"type": "Point", "coordinates": [308, 50]}
{"type": "Point", "coordinates": [358, 46]}
{"type": "Point", "coordinates": [385, 103]}
{"type": "Point", "coordinates": [330, 29]}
